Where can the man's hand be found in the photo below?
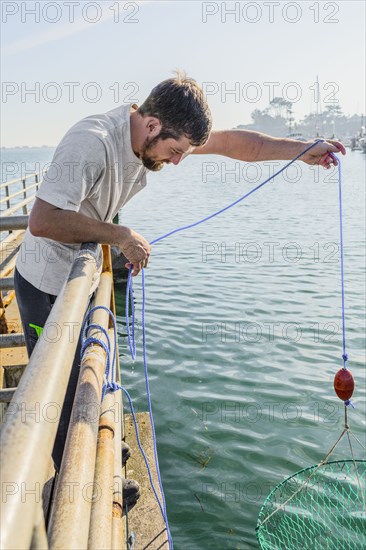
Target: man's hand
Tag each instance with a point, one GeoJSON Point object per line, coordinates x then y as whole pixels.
{"type": "Point", "coordinates": [136, 249]}
{"type": "Point", "coordinates": [320, 153]}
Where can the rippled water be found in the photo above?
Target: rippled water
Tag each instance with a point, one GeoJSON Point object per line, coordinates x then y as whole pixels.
{"type": "Point", "coordinates": [244, 335]}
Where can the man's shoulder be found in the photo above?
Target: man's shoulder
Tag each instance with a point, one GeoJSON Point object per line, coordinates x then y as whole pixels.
{"type": "Point", "coordinates": [105, 127]}
{"type": "Point", "coordinates": [104, 121]}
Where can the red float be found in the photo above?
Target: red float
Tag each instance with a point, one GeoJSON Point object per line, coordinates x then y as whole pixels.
{"type": "Point", "coordinates": [344, 384]}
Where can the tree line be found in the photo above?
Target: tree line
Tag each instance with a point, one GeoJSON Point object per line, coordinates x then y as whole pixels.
{"type": "Point", "coordinates": [278, 120]}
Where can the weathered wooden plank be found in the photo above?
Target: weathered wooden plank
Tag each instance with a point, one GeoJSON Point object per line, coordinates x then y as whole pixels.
{"type": "Point", "coordinates": [145, 519]}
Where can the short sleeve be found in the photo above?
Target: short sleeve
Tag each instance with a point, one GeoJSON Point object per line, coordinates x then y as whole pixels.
{"type": "Point", "coordinates": [77, 165]}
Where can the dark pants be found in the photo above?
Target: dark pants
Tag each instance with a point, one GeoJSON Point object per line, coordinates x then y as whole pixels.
{"type": "Point", "coordinates": [34, 307]}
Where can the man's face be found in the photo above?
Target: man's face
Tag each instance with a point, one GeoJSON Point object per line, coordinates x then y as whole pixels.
{"type": "Point", "coordinates": [157, 151]}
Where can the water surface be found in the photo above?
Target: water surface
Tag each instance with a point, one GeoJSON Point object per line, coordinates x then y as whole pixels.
{"type": "Point", "coordinates": [243, 333]}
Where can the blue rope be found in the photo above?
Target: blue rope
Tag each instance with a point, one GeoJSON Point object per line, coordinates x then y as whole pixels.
{"type": "Point", "coordinates": [132, 346]}
{"type": "Point", "coordinates": [237, 200]}
{"type": "Point", "coordinates": [348, 402]}
{"type": "Point", "coordinates": [161, 505]}
{"type": "Point", "coordinates": [148, 388]}
{"type": "Point", "coordinates": [110, 377]}
{"type": "Point", "coordinates": [131, 541]}
{"type": "Point", "coordinates": [111, 385]}
{"type": "Point", "coordinates": [130, 298]}
{"type": "Point", "coordinates": [131, 333]}
{"type": "Point", "coordinates": [129, 289]}
{"type": "Point", "coordinates": [344, 355]}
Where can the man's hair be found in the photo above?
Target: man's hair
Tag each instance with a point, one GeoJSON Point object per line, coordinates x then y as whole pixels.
{"type": "Point", "coordinates": [181, 107]}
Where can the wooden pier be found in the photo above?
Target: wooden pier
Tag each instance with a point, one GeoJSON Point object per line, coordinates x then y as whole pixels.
{"type": "Point", "coordinates": [37, 510]}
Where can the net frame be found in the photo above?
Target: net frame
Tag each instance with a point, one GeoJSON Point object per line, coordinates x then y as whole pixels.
{"type": "Point", "coordinates": [331, 517]}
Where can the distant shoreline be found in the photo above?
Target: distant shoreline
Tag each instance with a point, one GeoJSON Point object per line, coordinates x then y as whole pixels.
{"type": "Point", "coordinates": [28, 147]}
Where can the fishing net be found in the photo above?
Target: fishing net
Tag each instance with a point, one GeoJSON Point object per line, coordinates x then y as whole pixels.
{"type": "Point", "coordinates": [318, 508]}
{"type": "Point", "coordinates": [322, 507]}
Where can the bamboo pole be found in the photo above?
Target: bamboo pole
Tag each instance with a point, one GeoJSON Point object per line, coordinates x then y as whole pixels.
{"type": "Point", "coordinates": [70, 517]}
{"type": "Point", "coordinates": [118, 524]}
{"type": "Point", "coordinates": [9, 297]}
{"type": "Point", "coordinates": [100, 532]}
{"type": "Point", "coordinates": [7, 267]}
{"type": "Point", "coordinates": [27, 435]}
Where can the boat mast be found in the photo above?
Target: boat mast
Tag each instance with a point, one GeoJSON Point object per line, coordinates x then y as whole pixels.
{"type": "Point", "coordinates": [319, 125]}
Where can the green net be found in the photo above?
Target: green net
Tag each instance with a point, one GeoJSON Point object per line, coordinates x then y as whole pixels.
{"type": "Point", "coordinates": [318, 508]}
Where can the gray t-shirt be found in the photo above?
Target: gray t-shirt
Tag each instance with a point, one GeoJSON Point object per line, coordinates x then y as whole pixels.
{"type": "Point", "coordinates": [94, 171]}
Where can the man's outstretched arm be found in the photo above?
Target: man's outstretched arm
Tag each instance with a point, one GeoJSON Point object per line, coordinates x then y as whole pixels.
{"type": "Point", "coordinates": [255, 147]}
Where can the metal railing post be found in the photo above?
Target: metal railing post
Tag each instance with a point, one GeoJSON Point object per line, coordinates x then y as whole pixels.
{"type": "Point", "coordinates": [25, 207]}
{"type": "Point", "coordinates": [118, 524]}
{"type": "Point", "coordinates": [70, 518]}
{"type": "Point", "coordinates": [27, 436]}
{"type": "Point", "coordinates": [100, 531]}
{"type": "Point", "coordinates": [7, 194]}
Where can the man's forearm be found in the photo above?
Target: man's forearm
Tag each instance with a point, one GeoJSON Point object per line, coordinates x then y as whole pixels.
{"type": "Point", "coordinates": [72, 227]}
{"type": "Point", "coordinates": [255, 147]}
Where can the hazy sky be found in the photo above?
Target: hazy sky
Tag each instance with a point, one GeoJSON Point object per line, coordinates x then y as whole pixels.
{"type": "Point", "coordinates": [63, 60]}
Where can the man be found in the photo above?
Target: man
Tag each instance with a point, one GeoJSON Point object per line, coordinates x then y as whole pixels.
{"type": "Point", "coordinates": [100, 164]}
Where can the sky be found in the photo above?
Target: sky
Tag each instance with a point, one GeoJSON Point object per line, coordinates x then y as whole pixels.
{"type": "Point", "coordinates": [64, 60]}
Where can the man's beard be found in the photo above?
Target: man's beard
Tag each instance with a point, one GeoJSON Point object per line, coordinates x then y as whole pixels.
{"type": "Point", "coordinates": [153, 165]}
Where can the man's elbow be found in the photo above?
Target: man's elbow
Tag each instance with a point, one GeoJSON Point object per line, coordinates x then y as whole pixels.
{"type": "Point", "coordinates": [36, 226]}
{"type": "Point", "coordinates": [40, 218]}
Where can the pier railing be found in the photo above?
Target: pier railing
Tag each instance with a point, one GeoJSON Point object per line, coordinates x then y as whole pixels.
{"type": "Point", "coordinates": [19, 194]}
{"type": "Point", "coordinates": [16, 199]}
{"type": "Point", "coordinates": [85, 510]}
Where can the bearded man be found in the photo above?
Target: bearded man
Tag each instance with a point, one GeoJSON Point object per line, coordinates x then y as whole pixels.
{"type": "Point", "coordinates": [99, 165]}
